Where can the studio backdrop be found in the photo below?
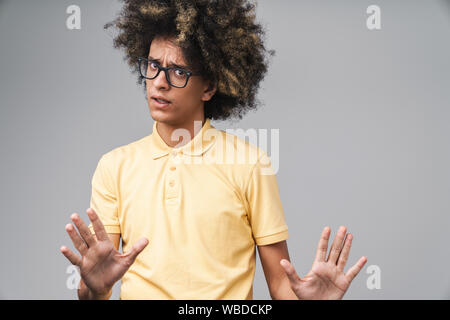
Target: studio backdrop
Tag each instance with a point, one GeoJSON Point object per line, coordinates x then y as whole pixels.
{"type": "Point", "coordinates": [355, 106]}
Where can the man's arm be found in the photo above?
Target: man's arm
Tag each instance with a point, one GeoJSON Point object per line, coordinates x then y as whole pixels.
{"type": "Point", "coordinates": [277, 280]}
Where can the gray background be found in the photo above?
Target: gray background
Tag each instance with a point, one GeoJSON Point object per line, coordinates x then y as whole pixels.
{"type": "Point", "coordinates": [364, 135]}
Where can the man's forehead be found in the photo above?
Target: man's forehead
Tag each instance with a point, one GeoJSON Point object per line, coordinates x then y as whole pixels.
{"type": "Point", "coordinates": [164, 49]}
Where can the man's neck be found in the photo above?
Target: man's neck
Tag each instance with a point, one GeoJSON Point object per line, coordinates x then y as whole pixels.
{"type": "Point", "coordinates": [166, 132]}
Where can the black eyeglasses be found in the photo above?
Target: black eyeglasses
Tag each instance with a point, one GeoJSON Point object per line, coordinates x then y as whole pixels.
{"type": "Point", "coordinates": [176, 77]}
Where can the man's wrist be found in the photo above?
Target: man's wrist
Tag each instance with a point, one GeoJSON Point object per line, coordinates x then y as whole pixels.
{"type": "Point", "coordinates": [101, 297]}
{"type": "Point", "coordinates": [84, 293]}
{"type": "Point", "coordinates": [284, 292]}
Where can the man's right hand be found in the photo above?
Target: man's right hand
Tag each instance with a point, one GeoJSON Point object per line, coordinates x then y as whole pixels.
{"type": "Point", "coordinates": [101, 264]}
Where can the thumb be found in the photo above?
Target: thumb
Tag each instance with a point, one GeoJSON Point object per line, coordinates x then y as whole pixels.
{"type": "Point", "coordinates": [137, 248]}
{"type": "Point", "coordinates": [290, 271]}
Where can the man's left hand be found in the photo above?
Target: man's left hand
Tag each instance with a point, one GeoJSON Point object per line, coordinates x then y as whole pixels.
{"type": "Point", "coordinates": [327, 279]}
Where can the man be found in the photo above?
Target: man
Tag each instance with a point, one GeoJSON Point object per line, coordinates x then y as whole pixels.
{"type": "Point", "coordinates": [188, 222]}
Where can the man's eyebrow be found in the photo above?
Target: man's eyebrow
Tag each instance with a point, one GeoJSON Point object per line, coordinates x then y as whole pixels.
{"type": "Point", "coordinates": [170, 65]}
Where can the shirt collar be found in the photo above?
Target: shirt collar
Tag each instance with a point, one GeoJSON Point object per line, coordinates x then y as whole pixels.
{"type": "Point", "coordinates": [195, 147]}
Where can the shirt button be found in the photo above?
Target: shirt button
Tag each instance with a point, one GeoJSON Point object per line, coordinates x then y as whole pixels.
{"type": "Point", "coordinates": [171, 183]}
{"type": "Point", "coordinates": [173, 168]}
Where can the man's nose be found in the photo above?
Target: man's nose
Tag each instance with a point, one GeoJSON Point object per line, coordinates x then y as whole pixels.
{"type": "Point", "coordinates": [160, 81]}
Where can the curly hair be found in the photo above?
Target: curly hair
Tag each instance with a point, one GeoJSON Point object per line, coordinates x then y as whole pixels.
{"type": "Point", "coordinates": [219, 39]}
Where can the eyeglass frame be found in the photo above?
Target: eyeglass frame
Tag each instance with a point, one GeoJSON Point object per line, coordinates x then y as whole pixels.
{"type": "Point", "coordinates": [166, 69]}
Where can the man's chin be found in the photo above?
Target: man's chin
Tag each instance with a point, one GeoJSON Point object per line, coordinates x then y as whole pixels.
{"type": "Point", "coordinates": [163, 117]}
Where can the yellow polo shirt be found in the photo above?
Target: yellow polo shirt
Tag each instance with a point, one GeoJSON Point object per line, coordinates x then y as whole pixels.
{"type": "Point", "coordinates": [202, 206]}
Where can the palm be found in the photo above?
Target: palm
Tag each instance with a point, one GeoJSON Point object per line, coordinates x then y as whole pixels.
{"type": "Point", "coordinates": [326, 279]}
{"type": "Point", "coordinates": [101, 265]}
{"type": "Point", "coordinates": [323, 282]}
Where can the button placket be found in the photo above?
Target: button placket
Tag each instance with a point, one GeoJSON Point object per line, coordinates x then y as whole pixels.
{"type": "Point", "coordinates": [172, 181]}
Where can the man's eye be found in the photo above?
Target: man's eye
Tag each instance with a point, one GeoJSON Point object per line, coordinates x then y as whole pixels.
{"type": "Point", "coordinates": [153, 65]}
{"type": "Point", "coordinates": [179, 72]}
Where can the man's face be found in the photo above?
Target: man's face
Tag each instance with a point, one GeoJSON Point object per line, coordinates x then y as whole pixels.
{"type": "Point", "coordinates": [186, 104]}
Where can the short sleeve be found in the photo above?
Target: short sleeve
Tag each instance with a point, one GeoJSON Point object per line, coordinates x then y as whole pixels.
{"type": "Point", "coordinates": [103, 197]}
{"type": "Point", "coordinates": [266, 215]}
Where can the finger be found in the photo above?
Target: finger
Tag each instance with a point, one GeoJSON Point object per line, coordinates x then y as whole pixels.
{"type": "Point", "coordinates": [76, 239]}
{"type": "Point", "coordinates": [343, 257]}
{"type": "Point", "coordinates": [135, 250]}
{"type": "Point", "coordinates": [99, 229]}
{"type": "Point", "coordinates": [71, 256]}
{"type": "Point", "coordinates": [353, 271]}
{"type": "Point", "coordinates": [323, 245]}
{"type": "Point", "coordinates": [290, 271]}
{"type": "Point", "coordinates": [337, 245]}
{"type": "Point", "coordinates": [83, 229]}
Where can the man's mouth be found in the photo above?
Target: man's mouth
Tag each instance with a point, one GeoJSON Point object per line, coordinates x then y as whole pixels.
{"type": "Point", "coordinates": [162, 101]}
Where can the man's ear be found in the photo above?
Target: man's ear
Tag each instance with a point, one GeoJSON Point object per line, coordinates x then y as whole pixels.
{"type": "Point", "coordinates": [209, 91]}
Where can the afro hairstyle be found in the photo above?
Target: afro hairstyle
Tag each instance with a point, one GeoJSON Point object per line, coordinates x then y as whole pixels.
{"type": "Point", "coordinates": [219, 39]}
